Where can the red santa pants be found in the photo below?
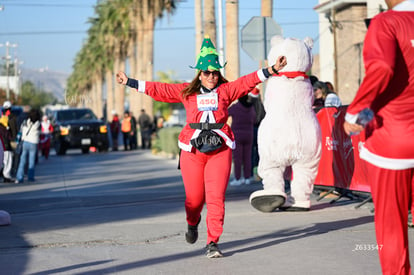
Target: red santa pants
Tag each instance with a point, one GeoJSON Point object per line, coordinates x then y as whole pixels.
{"type": "Point", "coordinates": [392, 194]}
{"type": "Point", "coordinates": [205, 177]}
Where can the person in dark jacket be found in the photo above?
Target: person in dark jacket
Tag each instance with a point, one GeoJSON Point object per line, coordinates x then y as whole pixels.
{"type": "Point", "coordinates": [133, 139]}
{"type": "Point", "coordinates": [145, 127]}
{"type": "Point", "coordinates": [12, 127]}
{"type": "Point", "coordinates": [8, 153]}
{"type": "Point", "coordinates": [243, 118]}
{"type": "Point", "coordinates": [115, 126]}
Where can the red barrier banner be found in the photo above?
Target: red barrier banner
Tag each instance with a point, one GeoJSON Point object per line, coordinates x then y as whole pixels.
{"type": "Point", "coordinates": [340, 165]}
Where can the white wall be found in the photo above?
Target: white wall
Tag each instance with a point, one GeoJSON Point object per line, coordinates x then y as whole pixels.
{"type": "Point", "coordinates": [326, 49]}
{"type": "Point", "coordinates": [14, 83]}
{"type": "Point", "coordinates": [373, 7]}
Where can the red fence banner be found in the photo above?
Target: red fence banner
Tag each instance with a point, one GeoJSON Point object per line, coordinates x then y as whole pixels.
{"type": "Point", "coordinates": [340, 165]}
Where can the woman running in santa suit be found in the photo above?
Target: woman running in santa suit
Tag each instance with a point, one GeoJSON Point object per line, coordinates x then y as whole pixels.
{"type": "Point", "coordinates": [206, 141]}
{"type": "Point", "coordinates": [388, 90]}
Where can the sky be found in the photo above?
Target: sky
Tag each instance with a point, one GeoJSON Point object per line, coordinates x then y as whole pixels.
{"type": "Point", "coordinates": [49, 33]}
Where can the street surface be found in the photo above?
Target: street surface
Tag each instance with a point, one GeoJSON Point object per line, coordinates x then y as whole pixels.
{"type": "Point", "coordinates": [123, 213]}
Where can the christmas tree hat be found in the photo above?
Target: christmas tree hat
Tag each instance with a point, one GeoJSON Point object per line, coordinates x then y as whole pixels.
{"type": "Point", "coordinates": [208, 57]}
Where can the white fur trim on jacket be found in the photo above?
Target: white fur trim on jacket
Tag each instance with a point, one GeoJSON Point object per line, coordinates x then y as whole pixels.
{"type": "Point", "coordinates": [141, 86]}
{"type": "Point", "coordinates": [383, 162]}
{"type": "Point", "coordinates": [261, 75]}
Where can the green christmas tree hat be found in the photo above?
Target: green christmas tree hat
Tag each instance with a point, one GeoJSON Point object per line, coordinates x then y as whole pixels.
{"type": "Point", "coordinates": [208, 57]}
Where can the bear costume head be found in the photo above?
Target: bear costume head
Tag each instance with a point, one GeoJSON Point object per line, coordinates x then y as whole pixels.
{"type": "Point", "coordinates": [298, 53]}
{"type": "Point", "coordinates": [292, 86]}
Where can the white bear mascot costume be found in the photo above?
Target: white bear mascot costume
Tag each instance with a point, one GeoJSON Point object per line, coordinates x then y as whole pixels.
{"type": "Point", "coordinates": [290, 134]}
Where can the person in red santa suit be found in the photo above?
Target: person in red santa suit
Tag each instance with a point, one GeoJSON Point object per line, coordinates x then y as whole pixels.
{"type": "Point", "coordinates": [45, 136]}
{"type": "Point", "coordinates": [206, 141]}
{"type": "Point", "coordinates": [388, 90]}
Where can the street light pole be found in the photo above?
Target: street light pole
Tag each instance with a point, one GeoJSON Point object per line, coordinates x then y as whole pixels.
{"type": "Point", "coordinates": [8, 58]}
{"type": "Point", "coordinates": [17, 63]}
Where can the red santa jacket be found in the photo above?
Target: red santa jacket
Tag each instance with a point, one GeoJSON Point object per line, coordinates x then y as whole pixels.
{"type": "Point", "coordinates": [388, 89]}
{"type": "Point", "coordinates": [226, 93]}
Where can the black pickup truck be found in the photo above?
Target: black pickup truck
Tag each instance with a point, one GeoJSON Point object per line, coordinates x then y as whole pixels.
{"type": "Point", "coordinates": [78, 128]}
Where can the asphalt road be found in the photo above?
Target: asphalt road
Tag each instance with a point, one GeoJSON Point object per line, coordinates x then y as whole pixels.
{"type": "Point", "coordinates": [123, 213]}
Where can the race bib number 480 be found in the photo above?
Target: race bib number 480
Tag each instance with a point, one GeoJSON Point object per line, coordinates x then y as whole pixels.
{"type": "Point", "coordinates": [207, 102]}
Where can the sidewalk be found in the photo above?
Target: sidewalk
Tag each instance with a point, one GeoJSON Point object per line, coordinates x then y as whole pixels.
{"type": "Point", "coordinates": [100, 221]}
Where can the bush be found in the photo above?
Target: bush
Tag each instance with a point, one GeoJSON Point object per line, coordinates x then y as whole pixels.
{"type": "Point", "coordinates": [167, 141]}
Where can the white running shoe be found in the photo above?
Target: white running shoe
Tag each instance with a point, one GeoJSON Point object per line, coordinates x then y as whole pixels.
{"type": "Point", "coordinates": [235, 182]}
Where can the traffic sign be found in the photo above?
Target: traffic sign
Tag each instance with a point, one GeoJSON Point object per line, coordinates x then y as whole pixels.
{"type": "Point", "coordinates": [256, 36]}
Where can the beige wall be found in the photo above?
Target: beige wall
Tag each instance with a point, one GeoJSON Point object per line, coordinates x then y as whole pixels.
{"type": "Point", "coordinates": [350, 35]}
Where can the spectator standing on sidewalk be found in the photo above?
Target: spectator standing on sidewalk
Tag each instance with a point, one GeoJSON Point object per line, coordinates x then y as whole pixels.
{"type": "Point", "coordinates": [145, 127]}
{"type": "Point", "coordinates": [30, 130]}
{"type": "Point", "coordinates": [9, 120]}
{"type": "Point", "coordinates": [134, 136]}
{"type": "Point", "coordinates": [45, 136]}
{"type": "Point", "coordinates": [126, 129]}
{"type": "Point", "coordinates": [206, 140]}
{"type": "Point", "coordinates": [260, 114]}
{"type": "Point", "coordinates": [388, 90]}
{"type": "Point", "coordinates": [115, 127]}
{"type": "Point", "coordinates": [325, 96]}
{"type": "Point", "coordinates": [243, 118]}
{"type": "Point", "coordinates": [7, 153]}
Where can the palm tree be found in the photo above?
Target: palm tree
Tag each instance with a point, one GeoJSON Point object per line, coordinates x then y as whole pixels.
{"type": "Point", "coordinates": [267, 11]}
{"type": "Point", "coordinates": [199, 34]}
{"type": "Point", "coordinates": [150, 10]}
{"type": "Point", "coordinates": [113, 38]}
{"type": "Point", "coordinates": [101, 56]}
{"type": "Point", "coordinates": [232, 40]}
{"type": "Point", "coordinates": [210, 20]}
{"type": "Point", "coordinates": [121, 29]}
{"type": "Point", "coordinates": [79, 82]}
{"type": "Point", "coordinates": [95, 63]}
{"type": "Point", "coordinates": [267, 8]}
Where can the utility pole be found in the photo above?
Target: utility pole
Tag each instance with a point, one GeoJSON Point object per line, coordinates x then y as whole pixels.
{"type": "Point", "coordinates": [17, 73]}
{"type": "Point", "coordinates": [8, 58]}
{"type": "Point", "coordinates": [220, 34]}
{"type": "Point", "coordinates": [266, 11]}
{"type": "Point", "coordinates": [335, 54]}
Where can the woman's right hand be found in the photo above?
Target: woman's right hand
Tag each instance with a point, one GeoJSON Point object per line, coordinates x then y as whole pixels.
{"type": "Point", "coordinates": [121, 78]}
{"type": "Point", "coordinates": [280, 63]}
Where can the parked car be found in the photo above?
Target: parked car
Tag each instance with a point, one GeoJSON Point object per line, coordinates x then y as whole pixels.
{"type": "Point", "coordinates": [16, 110]}
{"type": "Point", "coordinates": [78, 128]}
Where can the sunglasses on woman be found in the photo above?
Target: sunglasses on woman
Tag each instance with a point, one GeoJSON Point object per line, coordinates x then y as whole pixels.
{"type": "Point", "coordinates": [207, 73]}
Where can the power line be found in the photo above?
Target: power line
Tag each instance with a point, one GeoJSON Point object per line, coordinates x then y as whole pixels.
{"type": "Point", "coordinates": [48, 5]}
{"type": "Point", "coordinates": [42, 32]}
{"type": "Point", "coordinates": [58, 32]}
{"type": "Point", "coordinates": [53, 4]}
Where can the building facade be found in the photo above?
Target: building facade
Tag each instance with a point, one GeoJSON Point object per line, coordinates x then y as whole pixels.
{"type": "Point", "coordinates": [342, 29]}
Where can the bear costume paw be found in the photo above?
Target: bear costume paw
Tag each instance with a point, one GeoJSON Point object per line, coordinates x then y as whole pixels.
{"type": "Point", "coordinates": [265, 202]}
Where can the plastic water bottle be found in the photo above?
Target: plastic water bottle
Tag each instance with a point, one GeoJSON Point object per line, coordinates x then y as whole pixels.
{"type": "Point", "coordinates": [364, 117]}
